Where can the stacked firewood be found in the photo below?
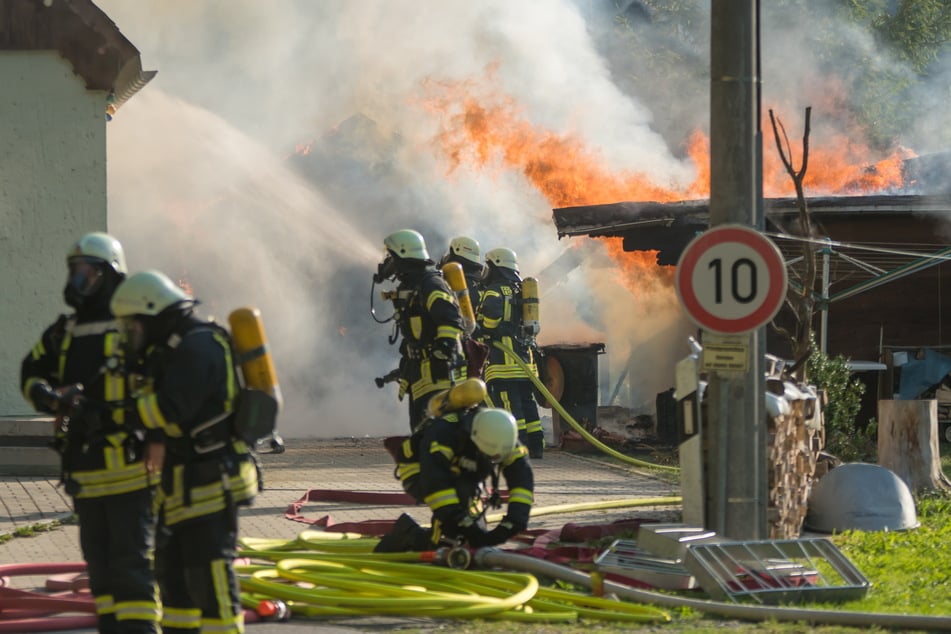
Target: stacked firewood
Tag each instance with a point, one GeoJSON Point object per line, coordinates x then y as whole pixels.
{"type": "Point", "coordinates": [795, 441]}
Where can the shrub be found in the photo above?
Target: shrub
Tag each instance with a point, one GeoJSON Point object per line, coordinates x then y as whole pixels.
{"type": "Point", "coordinates": [844, 399]}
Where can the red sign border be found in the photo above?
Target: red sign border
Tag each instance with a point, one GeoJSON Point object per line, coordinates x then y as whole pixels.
{"type": "Point", "coordinates": [775, 265]}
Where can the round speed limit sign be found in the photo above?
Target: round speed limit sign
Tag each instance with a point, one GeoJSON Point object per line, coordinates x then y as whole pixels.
{"type": "Point", "coordinates": [731, 279]}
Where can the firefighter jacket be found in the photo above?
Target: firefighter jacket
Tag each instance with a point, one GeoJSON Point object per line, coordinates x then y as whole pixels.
{"type": "Point", "coordinates": [440, 466]}
{"type": "Point", "coordinates": [499, 318]}
{"type": "Point", "coordinates": [101, 448]}
{"type": "Point", "coordinates": [473, 277]}
{"type": "Point", "coordinates": [428, 319]}
{"type": "Point", "coordinates": [190, 391]}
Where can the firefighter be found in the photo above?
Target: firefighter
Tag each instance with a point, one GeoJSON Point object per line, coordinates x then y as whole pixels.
{"type": "Point", "coordinates": [109, 466]}
{"type": "Point", "coordinates": [189, 383]}
{"type": "Point", "coordinates": [428, 319]}
{"type": "Point", "coordinates": [468, 254]}
{"type": "Point", "coordinates": [445, 465]}
{"type": "Point", "coordinates": [499, 319]}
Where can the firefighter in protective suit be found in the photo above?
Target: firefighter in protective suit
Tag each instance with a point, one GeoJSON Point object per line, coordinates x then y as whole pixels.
{"type": "Point", "coordinates": [499, 318]}
{"type": "Point", "coordinates": [466, 252]}
{"type": "Point", "coordinates": [445, 465]}
{"type": "Point", "coordinates": [428, 318]}
{"type": "Point", "coordinates": [74, 372]}
{"type": "Point", "coordinates": [189, 384]}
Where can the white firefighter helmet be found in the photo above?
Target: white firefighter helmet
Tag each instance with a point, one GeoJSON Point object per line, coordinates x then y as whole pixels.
{"type": "Point", "coordinates": [503, 257]}
{"type": "Point", "coordinates": [407, 244]}
{"type": "Point", "coordinates": [494, 432]}
{"type": "Point", "coordinates": [147, 293]}
{"type": "Point", "coordinates": [466, 248]}
{"type": "Point", "coordinates": [97, 245]}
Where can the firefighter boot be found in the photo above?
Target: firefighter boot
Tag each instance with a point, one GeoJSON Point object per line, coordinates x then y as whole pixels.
{"type": "Point", "coordinates": [535, 442]}
{"type": "Point", "coordinates": [405, 536]}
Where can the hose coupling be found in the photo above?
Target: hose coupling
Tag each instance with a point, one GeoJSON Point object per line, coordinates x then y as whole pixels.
{"type": "Point", "coordinates": [456, 557]}
{"type": "Point", "coordinates": [273, 610]}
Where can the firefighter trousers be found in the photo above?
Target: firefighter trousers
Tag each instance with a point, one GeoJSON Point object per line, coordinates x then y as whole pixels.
{"type": "Point", "coordinates": [518, 397]}
{"type": "Point", "coordinates": [117, 537]}
{"type": "Point", "coordinates": [194, 563]}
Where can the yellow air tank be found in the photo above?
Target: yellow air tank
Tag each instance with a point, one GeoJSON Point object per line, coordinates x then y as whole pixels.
{"type": "Point", "coordinates": [530, 308]}
{"type": "Point", "coordinates": [254, 357]}
{"type": "Point", "coordinates": [452, 271]}
{"type": "Point", "coordinates": [462, 395]}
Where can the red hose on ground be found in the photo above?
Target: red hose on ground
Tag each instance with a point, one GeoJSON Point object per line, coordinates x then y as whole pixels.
{"type": "Point", "coordinates": [23, 611]}
{"type": "Point", "coordinates": [26, 611]}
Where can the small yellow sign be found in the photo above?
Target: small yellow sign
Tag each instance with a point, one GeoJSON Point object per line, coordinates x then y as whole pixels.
{"type": "Point", "coordinates": [725, 357]}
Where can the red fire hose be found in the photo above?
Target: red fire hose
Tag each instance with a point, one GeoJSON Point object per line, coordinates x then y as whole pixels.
{"type": "Point", "coordinates": [25, 611]}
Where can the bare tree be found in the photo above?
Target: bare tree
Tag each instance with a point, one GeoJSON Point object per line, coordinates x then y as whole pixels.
{"type": "Point", "coordinates": [801, 297]}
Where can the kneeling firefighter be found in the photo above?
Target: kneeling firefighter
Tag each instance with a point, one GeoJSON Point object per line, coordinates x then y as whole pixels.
{"type": "Point", "coordinates": [445, 465]}
{"type": "Point", "coordinates": [189, 389]}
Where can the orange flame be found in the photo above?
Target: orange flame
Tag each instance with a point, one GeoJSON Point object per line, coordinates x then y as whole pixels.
{"type": "Point", "coordinates": [186, 286]}
{"type": "Point", "coordinates": [490, 133]}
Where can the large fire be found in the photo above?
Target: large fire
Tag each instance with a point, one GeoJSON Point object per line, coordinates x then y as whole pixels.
{"type": "Point", "coordinates": [490, 133]}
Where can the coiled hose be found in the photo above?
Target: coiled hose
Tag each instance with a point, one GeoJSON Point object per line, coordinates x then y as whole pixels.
{"type": "Point", "coordinates": [327, 584]}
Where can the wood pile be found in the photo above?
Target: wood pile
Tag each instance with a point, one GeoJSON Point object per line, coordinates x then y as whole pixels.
{"type": "Point", "coordinates": [794, 444]}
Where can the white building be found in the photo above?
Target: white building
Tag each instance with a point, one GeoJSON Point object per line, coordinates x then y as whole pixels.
{"type": "Point", "coordinates": [64, 67]}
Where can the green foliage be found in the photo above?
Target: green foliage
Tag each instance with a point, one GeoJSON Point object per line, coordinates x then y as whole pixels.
{"type": "Point", "coordinates": [844, 399]}
{"type": "Point", "coordinates": [903, 45]}
{"type": "Point", "coordinates": [916, 30]}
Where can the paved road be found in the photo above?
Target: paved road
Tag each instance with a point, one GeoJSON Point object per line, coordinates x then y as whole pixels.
{"type": "Point", "coordinates": [337, 464]}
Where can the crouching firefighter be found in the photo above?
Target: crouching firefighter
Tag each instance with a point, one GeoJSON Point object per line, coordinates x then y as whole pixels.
{"type": "Point", "coordinates": [74, 373]}
{"type": "Point", "coordinates": [190, 388]}
{"type": "Point", "coordinates": [445, 465]}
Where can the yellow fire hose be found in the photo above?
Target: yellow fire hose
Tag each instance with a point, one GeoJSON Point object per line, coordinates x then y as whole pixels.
{"type": "Point", "coordinates": [322, 583]}
{"type": "Point", "coordinates": [573, 423]}
{"type": "Point", "coordinates": [320, 574]}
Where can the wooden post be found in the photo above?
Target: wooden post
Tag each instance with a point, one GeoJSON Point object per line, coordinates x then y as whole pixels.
{"type": "Point", "coordinates": [908, 443]}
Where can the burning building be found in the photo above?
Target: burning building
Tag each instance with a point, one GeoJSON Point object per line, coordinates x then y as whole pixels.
{"type": "Point", "coordinates": [882, 262]}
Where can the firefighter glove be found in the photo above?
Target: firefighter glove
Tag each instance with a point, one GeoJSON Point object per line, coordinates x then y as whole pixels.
{"type": "Point", "coordinates": [501, 533]}
{"type": "Point", "coordinates": [61, 400]}
{"type": "Point", "coordinates": [445, 349]}
{"type": "Point", "coordinates": [44, 397]}
{"type": "Point", "coordinates": [475, 536]}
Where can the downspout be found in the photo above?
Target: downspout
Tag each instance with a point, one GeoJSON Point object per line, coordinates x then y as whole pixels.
{"type": "Point", "coordinates": [824, 331]}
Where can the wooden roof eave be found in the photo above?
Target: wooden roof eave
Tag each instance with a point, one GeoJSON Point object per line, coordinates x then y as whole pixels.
{"type": "Point", "coordinates": [83, 35]}
{"type": "Point", "coordinates": [616, 219]}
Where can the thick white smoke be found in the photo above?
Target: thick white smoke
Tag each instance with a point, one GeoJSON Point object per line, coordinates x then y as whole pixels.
{"type": "Point", "coordinates": [281, 141]}
{"type": "Point", "coordinates": [205, 184]}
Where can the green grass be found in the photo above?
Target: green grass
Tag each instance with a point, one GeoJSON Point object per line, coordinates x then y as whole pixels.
{"type": "Point", "coordinates": [909, 572]}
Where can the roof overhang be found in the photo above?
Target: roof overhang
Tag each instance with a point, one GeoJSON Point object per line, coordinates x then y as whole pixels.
{"type": "Point", "coordinates": [83, 35]}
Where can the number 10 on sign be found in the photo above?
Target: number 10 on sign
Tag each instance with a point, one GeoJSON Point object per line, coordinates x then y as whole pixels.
{"type": "Point", "coordinates": [731, 279]}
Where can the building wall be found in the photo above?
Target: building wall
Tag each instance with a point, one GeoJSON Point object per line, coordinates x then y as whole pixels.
{"type": "Point", "coordinates": [52, 190]}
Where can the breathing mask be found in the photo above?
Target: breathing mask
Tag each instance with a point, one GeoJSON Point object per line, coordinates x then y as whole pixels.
{"type": "Point", "coordinates": [83, 281]}
{"type": "Point", "coordinates": [385, 269]}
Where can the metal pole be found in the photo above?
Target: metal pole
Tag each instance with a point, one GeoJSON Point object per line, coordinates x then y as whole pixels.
{"type": "Point", "coordinates": [824, 332]}
{"type": "Point", "coordinates": [736, 484]}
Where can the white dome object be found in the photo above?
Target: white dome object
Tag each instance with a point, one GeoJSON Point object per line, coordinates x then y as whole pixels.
{"type": "Point", "coordinates": [860, 496]}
